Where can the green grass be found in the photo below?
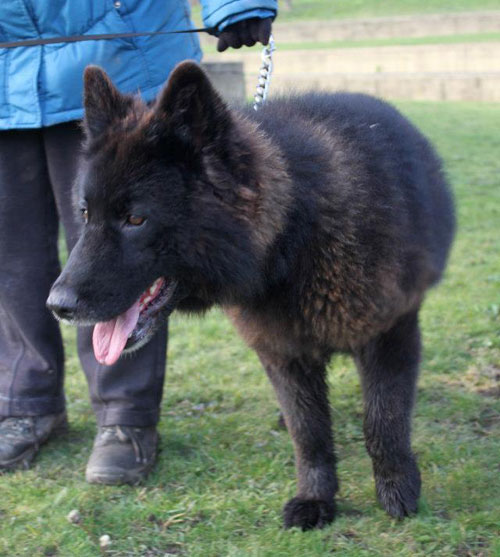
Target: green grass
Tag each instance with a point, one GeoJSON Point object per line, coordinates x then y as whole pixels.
{"type": "Point", "coordinates": [225, 470]}
{"type": "Point", "coordinates": [339, 9]}
{"type": "Point", "coordinates": [342, 9]}
{"type": "Point", "coordinates": [399, 41]}
{"type": "Point", "coordinates": [395, 41]}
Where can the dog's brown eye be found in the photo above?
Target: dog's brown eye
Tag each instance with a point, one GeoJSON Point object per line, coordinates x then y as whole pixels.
{"type": "Point", "coordinates": [85, 215]}
{"type": "Point", "coordinates": [133, 220]}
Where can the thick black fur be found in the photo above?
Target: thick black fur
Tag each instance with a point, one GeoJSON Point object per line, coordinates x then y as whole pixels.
{"type": "Point", "coordinates": [317, 223]}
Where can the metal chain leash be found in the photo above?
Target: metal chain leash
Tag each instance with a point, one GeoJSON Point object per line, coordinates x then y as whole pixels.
{"type": "Point", "coordinates": [264, 74]}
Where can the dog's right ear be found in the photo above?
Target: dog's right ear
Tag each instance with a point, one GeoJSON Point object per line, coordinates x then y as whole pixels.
{"type": "Point", "coordinates": [102, 101]}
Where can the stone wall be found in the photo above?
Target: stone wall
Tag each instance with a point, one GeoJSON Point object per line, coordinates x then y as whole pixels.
{"type": "Point", "coordinates": [388, 27]}
{"type": "Point", "coordinates": [228, 78]}
{"type": "Point", "coordinates": [450, 71]}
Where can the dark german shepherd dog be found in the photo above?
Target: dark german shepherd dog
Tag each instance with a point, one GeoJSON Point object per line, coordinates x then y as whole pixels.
{"type": "Point", "coordinates": [317, 223]}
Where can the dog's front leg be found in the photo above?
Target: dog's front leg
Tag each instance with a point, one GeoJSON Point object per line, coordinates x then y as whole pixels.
{"type": "Point", "coordinates": [301, 389]}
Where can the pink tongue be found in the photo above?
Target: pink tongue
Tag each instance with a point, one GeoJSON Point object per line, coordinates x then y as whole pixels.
{"type": "Point", "coordinates": [109, 338]}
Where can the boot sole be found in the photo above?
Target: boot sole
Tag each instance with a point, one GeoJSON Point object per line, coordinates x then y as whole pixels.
{"type": "Point", "coordinates": [21, 461]}
{"type": "Point", "coordinates": [118, 476]}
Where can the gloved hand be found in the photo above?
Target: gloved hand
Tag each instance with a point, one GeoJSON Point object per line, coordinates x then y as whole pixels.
{"type": "Point", "coordinates": [246, 32]}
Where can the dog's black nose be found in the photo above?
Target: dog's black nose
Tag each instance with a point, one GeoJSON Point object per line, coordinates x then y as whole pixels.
{"type": "Point", "coordinates": [62, 301]}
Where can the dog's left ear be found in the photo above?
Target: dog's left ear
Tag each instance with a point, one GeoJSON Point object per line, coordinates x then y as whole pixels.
{"type": "Point", "coordinates": [191, 107]}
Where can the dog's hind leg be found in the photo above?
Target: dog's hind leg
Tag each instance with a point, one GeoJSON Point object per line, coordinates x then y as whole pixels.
{"type": "Point", "coordinates": [301, 389]}
{"type": "Point", "coordinates": [388, 367]}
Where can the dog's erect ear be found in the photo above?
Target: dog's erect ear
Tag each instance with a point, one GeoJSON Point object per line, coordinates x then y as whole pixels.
{"type": "Point", "coordinates": [193, 109]}
{"type": "Point", "coordinates": [102, 101]}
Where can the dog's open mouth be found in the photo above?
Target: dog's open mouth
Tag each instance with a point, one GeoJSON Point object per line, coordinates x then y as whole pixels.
{"type": "Point", "coordinates": [133, 328]}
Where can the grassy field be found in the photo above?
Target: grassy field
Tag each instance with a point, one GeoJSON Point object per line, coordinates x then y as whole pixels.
{"type": "Point", "coordinates": [327, 9]}
{"type": "Point", "coordinates": [225, 469]}
{"type": "Point", "coordinates": [393, 41]}
{"type": "Point", "coordinates": [341, 9]}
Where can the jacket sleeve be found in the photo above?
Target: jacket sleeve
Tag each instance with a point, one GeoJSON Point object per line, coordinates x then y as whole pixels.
{"type": "Point", "coordinates": [221, 13]}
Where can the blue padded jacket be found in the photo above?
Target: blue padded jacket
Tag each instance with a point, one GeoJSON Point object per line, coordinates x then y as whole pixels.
{"type": "Point", "coordinates": [42, 85]}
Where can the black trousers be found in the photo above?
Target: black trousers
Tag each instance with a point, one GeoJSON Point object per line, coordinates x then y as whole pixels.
{"type": "Point", "coordinates": [37, 169]}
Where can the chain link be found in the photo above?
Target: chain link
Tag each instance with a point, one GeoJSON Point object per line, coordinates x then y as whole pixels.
{"type": "Point", "coordinates": [264, 74]}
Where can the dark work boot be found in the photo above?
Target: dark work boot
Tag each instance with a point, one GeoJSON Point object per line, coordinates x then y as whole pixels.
{"type": "Point", "coordinates": [122, 455]}
{"type": "Point", "coordinates": [21, 437]}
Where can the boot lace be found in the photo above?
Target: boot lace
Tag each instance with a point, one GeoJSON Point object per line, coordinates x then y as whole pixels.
{"type": "Point", "coordinates": [124, 434]}
{"type": "Point", "coordinates": [14, 427]}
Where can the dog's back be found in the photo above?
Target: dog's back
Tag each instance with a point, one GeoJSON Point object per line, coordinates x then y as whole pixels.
{"type": "Point", "coordinates": [371, 220]}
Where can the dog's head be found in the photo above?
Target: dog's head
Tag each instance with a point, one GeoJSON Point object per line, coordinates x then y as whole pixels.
{"type": "Point", "coordinates": [158, 196]}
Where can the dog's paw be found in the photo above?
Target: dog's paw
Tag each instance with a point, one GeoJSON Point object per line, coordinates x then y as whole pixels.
{"type": "Point", "coordinates": [398, 494]}
{"type": "Point", "coordinates": [308, 513]}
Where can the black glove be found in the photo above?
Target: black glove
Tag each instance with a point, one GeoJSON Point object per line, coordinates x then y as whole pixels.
{"type": "Point", "coordinates": [246, 32]}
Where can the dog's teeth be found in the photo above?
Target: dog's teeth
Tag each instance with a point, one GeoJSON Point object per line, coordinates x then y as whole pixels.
{"type": "Point", "coordinates": [150, 294]}
{"type": "Point", "coordinates": [155, 286]}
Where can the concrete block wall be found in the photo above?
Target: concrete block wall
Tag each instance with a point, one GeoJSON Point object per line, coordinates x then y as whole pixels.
{"type": "Point", "coordinates": [451, 71]}
{"type": "Point", "coordinates": [228, 78]}
{"type": "Point", "coordinates": [388, 27]}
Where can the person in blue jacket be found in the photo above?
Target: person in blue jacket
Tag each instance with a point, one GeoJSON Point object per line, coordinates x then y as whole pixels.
{"type": "Point", "coordinates": [40, 135]}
